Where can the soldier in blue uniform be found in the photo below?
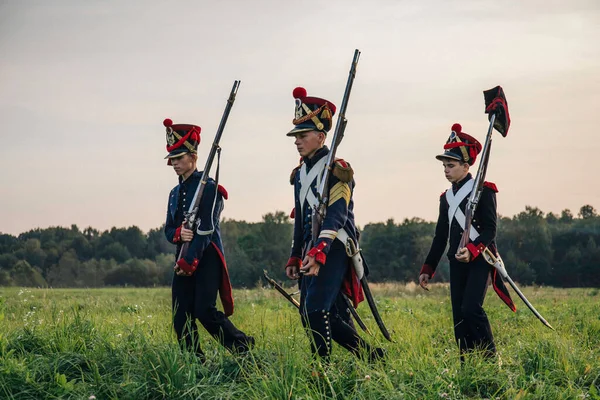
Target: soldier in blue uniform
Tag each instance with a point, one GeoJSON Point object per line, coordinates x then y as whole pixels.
{"type": "Point", "coordinates": [469, 272]}
{"type": "Point", "coordinates": [202, 272]}
{"type": "Point", "coordinates": [325, 269]}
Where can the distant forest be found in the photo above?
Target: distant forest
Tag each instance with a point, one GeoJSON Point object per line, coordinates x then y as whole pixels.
{"type": "Point", "coordinates": [537, 248]}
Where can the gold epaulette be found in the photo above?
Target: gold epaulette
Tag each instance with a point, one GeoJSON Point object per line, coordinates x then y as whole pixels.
{"type": "Point", "coordinates": [343, 171]}
{"type": "Point", "coordinates": [293, 174]}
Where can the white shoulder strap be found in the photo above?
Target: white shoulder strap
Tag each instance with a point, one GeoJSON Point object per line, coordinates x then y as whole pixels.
{"type": "Point", "coordinates": [454, 211]}
{"type": "Point", "coordinates": [306, 180]}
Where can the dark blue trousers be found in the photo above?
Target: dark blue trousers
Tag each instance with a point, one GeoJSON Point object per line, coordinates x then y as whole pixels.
{"type": "Point", "coordinates": [468, 286]}
{"type": "Point", "coordinates": [324, 311]}
{"type": "Point", "coordinates": [194, 297]}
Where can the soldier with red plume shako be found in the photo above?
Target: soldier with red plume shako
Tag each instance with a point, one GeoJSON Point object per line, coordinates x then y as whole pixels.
{"type": "Point", "coordinates": [202, 272]}
{"type": "Point", "coordinates": [324, 268]}
{"type": "Point", "coordinates": [469, 272]}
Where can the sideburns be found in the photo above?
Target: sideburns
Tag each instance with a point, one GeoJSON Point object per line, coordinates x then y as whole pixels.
{"type": "Point", "coordinates": [322, 138]}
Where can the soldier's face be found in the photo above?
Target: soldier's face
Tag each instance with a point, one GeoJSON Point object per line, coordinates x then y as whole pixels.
{"type": "Point", "coordinates": [184, 164]}
{"type": "Point", "coordinates": [307, 143]}
{"type": "Point", "coordinates": [454, 170]}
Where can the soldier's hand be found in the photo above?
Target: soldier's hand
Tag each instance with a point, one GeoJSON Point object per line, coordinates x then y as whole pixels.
{"type": "Point", "coordinates": [180, 272]}
{"type": "Point", "coordinates": [186, 234]}
{"type": "Point", "coordinates": [292, 272]}
{"type": "Point", "coordinates": [423, 281]}
{"type": "Point", "coordinates": [310, 267]}
{"type": "Point", "coordinates": [463, 255]}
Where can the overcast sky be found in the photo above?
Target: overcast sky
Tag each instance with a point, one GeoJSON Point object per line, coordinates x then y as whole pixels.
{"type": "Point", "coordinates": [85, 86]}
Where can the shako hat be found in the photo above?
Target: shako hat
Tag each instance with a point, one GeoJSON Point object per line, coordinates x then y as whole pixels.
{"type": "Point", "coordinates": [312, 113]}
{"type": "Point", "coordinates": [181, 139]}
{"type": "Point", "coordinates": [460, 146]}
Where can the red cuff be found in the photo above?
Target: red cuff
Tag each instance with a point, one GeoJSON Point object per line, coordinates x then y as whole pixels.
{"type": "Point", "coordinates": [475, 250]}
{"type": "Point", "coordinates": [294, 262]}
{"type": "Point", "coordinates": [427, 269]}
{"type": "Point", "coordinates": [185, 267]}
{"type": "Point", "coordinates": [177, 236]}
{"type": "Point", "coordinates": [317, 253]}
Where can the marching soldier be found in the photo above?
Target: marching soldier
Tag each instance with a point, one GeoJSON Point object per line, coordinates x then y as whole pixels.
{"type": "Point", "coordinates": [324, 269]}
{"type": "Point", "coordinates": [469, 272]}
{"type": "Point", "coordinates": [202, 272]}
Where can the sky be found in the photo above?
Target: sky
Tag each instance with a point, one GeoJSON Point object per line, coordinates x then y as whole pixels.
{"type": "Point", "coordinates": [85, 86]}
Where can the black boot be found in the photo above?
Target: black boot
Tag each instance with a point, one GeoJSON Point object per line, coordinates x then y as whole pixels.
{"type": "Point", "coordinates": [243, 345]}
{"type": "Point", "coordinates": [223, 330]}
{"type": "Point", "coordinates": [347, 337]}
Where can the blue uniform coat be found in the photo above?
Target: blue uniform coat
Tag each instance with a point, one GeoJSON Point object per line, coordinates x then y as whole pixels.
{"type": "Point", "coordinates": [207, 233]}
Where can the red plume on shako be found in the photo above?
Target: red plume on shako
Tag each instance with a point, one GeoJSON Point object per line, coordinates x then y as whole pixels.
{"type": "Point", "coordinates": [299, 93]}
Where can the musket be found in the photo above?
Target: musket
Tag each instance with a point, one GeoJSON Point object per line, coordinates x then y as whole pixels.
{"type": "Point", "coordinates": [320, 208]}
{"type": "Point", "coordinates": [289, 297]}
{"type": "Point", "coordinates": [495, 261]}
{"type": "Point", "coordinates": [477, 185]}
{"type": "Point", "coordinates": [191, 214]}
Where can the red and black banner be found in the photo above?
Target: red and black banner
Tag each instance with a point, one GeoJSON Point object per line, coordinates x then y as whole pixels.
{"type": "Point", "coordinates": [495, 103]}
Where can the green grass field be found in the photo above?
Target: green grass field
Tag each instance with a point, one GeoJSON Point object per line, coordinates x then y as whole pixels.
{"type": "Point", "coordinates": [119, 344]}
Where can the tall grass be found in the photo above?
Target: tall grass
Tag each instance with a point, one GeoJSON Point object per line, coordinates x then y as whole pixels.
{"type": "Point", "coordinates": [119, 344]}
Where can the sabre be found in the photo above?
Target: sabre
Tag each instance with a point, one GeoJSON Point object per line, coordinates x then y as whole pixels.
{"type": "Point", "coordinates": [288, 297]}
{"type": "Point", "coordinates": [358, 262]}
{"type": "Point", "coordinates": [499, 265]}
{"type": "Point", "coordinates": [354, 313]}
{"type": "Point", "coordinates": [281, 290]}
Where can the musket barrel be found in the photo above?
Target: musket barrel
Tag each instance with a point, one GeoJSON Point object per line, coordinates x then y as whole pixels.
{"type": "Point", "coordinates": [191, 217]}
{"type": "Point", "coordinates": [340, 127]}
{"type": "Point", "coordinates": [478, 184]}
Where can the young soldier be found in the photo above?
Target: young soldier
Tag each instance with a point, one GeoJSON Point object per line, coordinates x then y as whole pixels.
{"type": "Point", "coordinates": [202, 271]}
{"type": "Point", "coordinates": [325, 268]}
{"type": "Point", "coordinates": [469, 272]}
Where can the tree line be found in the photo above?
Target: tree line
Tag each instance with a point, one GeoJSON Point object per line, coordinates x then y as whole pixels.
{"type": "Point", "coordinates": [537, 248]}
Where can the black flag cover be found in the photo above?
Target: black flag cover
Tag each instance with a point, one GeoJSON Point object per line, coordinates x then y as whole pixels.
{"type": "Point", "coordinates": [495, 103]}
